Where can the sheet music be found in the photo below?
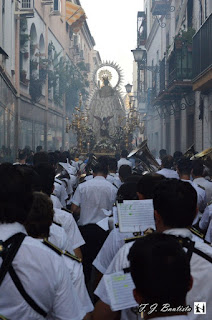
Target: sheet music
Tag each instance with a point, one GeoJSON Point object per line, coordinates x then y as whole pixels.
{"type": "Point", "coordinates": [120, 287]}
{"type": "Point", "coordinates": [136, 215]}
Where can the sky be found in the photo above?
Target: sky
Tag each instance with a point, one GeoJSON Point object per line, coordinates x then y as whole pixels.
{"type": "Point", "coordinates": [113, 24]}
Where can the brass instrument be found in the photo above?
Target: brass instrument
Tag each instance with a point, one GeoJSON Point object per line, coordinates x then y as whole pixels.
{"type": "Point", "coordinates": [203, 154]}
{"type": "Point", "coordinates": [207, 153]}
{"type": "Point", "coordinates": [148, 161]}
{"type": "Point", "coordinates": [190, 152]}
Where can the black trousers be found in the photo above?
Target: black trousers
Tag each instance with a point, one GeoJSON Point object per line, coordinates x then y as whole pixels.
{"type": "Point", "coordinates": [94, 237]}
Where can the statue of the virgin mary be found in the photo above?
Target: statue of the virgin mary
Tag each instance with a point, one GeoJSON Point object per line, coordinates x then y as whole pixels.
{"type": "Point", "coordinates": [106, 110]}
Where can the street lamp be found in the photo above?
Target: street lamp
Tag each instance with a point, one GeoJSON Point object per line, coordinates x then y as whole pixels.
{"type": "Point", "coordinates": [138, 54]}
{"type": "Point", "coordinates": [128, 88]}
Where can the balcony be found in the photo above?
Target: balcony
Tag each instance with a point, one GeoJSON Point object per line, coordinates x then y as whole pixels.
{"type": "Point", "coordinates": [25, 9]}
{"type": "Point", "coordinates": [202, 57]}
{"type": "Point", "coordinates": [180, 69]}
{"type": "Point", "coordinates": [162, 75]}
{"type": "Point", "coordinates": [160, 7]}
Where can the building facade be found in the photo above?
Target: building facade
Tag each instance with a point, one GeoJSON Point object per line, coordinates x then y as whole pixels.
{"type": "Point", "coordinates": [47, 58]}
{"type": "Point", "coordinates": [177, 66]}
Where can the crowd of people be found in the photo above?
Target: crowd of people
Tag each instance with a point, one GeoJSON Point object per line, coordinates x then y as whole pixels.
{"type": "Point", "coordinates": [60, 237]}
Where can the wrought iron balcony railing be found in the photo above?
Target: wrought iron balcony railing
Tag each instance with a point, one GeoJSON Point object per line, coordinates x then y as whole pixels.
{"type": "Point", "coordinates": [202, 49]}
{"type": "Point", "coordinates": [180, 65]}
{"type": "Point", "coordinates": [163, 75]}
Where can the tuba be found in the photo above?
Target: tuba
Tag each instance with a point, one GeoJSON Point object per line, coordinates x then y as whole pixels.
{"type": "Point", "coordinates": [204, 155]}
{"type": "Point", "coordinates": [190, 152]}
{"type": "Point", "coordinates": [148, 161]}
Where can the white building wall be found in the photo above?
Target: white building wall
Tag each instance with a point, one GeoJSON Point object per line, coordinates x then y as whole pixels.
{"type": "Point", "coordinates": [7, 38]}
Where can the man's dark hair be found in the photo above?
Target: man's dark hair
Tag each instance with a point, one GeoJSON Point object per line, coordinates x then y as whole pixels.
{"type": "Point", "coordinates": [47, 175]}
{"type": "Point", "coordinates": [39, 148]}
{"type": "Point", "coordinates": [64, 156]}
{"type": "Point", "coordinates": [52, 158]}
{"type": "Point", "coordinates": [15, 194]}
{"type": "Point", "coordinates": [32, 175]}
{"type": "Point", "coordinates": [177, 155]}
{"type": "Point", "coordinates": [176, 203]}
{"type": "Point", "coordinates": [147, 183]}
{"type": "Point", "coordinates": [112, 164]}
{"type": "Point", "coordinates": [124, 154]}
{"type": "Point", "coordinates": [127, 191]}
{"type": "Point", "coordinates": [103, 160]}
{"type": "Point", "coordinates": [198, 167]}
{"type": "Point", "coordinates": [22, 154]}
{"type": "Point", "coordinates": [162, 153]}
{"type": "Point", "coordinates": [40, 216]}
{"type": "Point", "coordinates": [184, 166]}
{"type": "Point", "coordinates": [40, 157]}
{"type": "Point", "coordinates": [100, 168]}
{"type": "Point", "coordinates": [125, 171]}
{"type": "Point", "coordinates": [167, 162]}
{"type": "Point", "coordinates": [117, 156]}
{"type": "Point", "coordinates": [160, 269]}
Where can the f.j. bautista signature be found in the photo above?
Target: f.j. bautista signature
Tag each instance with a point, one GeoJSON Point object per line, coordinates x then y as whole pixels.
{"type": "Point", "coordinates": [166, 308]}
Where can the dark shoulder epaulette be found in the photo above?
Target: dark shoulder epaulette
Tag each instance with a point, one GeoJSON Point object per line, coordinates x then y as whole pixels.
{"type": "Point", "coordinates": [201, 187]}
{"type": "Point", "coordinates": [53, 194]}
{"type": "Point", "coordinates": [209, 203]}
{"type": "Point", "coordinates": [208, 243]}
{"type": "Point", "coordinates": [58, 182]}
{"type": "Point", "coordinates": [73, 257]}
{"type": "Point", "coordinates": [58, 224]}
{"type": "Point", "coordinates": [64, 209]}
{"type": "Point", "coordinates": [53, 247]}
{"type": "Point", "coordinates": [197, 232]}
{"type": "Point", "coordinates": [132, 239]}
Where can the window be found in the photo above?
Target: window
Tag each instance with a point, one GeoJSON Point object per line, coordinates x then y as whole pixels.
{"type": "Point", "coordinates": [27, 4]}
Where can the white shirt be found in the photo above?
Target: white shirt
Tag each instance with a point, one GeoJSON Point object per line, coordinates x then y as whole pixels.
{"type": "Point", "coordinates": [201, 195]}
{"type": "Point", "coordinates": [78, 279]}
{"type": "Point", "coordinates": [168, 173]}
{"type": "Point", "coordinates": [114, 179]}
{"type": "Point", "coordinates": [67, 221]}
{"type": "Point", "coordinates": [206, 223]}
{"type": "Point", "coordinates": [92, 196]}
{"type": "Point", "coordinates": [89, 177]}
{"type": "Point", "coordinates": [124, 161]}
{"type": "Point", "coordinates": [60, 191]}
{"type": "Point", "coordinates": [111, 246]}
{"type": "Point", "coordinates": [207, 185]}
{"type": "Point", "coordinates": [56, 202]}
{"type": "Point", "coordinates": [45, 278]}
{"type": "Point", "coordinates": [58, 237]}
{"type": "Point", "coordinates": [201, 271]}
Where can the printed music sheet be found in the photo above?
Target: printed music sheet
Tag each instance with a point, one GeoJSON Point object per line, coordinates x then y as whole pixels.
{"type": "Point", "coordinates": [136, 215]}
{"type": "Point", "coordinates": [120, 287]}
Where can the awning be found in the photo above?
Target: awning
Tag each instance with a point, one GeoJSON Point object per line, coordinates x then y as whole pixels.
{"type": "Point", "coordinates": [75, 15]}
{"type": "Point", "coordinates": [3, 53]}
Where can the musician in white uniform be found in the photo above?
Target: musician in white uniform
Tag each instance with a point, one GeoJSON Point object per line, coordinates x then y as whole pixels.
{"type": "Point", "coordinates": [124, 160]}
{"type": "Point", "coordinates": [166, 165]}
{"type": "Point", "coordinates": [175, 204]}
{"type": "Point", "coordinates": [36, 283]}
{"type": "Point", "coordinates": [161, 273]}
